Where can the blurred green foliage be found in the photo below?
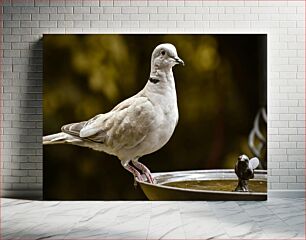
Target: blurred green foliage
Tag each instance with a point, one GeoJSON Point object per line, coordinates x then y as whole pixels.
{"type": "Point", "coordinates": [219, 92]}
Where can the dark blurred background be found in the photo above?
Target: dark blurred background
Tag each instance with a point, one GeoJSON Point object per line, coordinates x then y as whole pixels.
{"type": "Point", "coordinates": [220, 90]}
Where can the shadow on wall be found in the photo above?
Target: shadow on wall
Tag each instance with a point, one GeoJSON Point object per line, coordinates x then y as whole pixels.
{"type": "Point", "coordinates": [31, 121]}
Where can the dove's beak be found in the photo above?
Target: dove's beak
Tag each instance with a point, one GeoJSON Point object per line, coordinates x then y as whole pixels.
{"type": "Point", "coordinates": [179, 61]}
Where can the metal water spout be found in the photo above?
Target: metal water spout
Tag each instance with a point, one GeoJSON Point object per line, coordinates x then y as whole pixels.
{"type": "Point", "coordinates": [244, 169]}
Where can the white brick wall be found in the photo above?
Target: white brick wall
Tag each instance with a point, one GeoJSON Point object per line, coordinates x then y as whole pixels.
{"type": "Point", "coordinates": [24, 22]}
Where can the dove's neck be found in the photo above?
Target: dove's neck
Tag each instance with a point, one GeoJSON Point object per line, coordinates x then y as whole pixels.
{"type": "Point", "coordinates": [163, 75]}
{"type": "Point", "coordinates": [162, 79]}
{"type": "Point", "coordinates": [161, 85]}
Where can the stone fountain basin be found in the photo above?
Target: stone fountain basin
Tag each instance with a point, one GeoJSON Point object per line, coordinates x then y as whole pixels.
{"type": "Point", "coordinates": [161, 192]}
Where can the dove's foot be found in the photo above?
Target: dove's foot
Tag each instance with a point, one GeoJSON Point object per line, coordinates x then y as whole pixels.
{"type": "Point", "coordinates": [134, 171]}
{"type": "Point", "coordinates": [145, 171]}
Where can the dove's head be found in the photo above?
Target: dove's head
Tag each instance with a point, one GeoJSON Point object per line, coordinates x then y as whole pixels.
{"type": "Point", "coordinates": [164, 57]}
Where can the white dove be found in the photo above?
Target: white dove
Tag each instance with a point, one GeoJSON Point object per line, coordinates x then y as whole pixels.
{"type": "Point", "coordinates": [140, 125]}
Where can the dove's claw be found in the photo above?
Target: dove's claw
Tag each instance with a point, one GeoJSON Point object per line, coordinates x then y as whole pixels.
{"type": "Point", "coordinates": [150, 178]}
{"type": "Point", "coordinates": [134, 171]}
{"type": "Point", "coordinates": [145, 171]}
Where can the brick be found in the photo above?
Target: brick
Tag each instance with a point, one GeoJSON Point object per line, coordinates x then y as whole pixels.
{"type": "Point", "coordinates": [296, 151]}
{"type": "Point", "coordinates": [287, 145]}
{"type": "Point", "coordinates": [11, 53]}
{"type": "Point", "coordinates": [60, 3]}
{"type": "Point", "coordinates": [81, 24]}
{"type": "Point", "coordinates": [57, 17]}
{"type": "Point", "coordinates": [209, 17]}
{"type": "Point", "coordinates": [19, 173]}
{"type": "Point", "coordinates": [27, 179]}
{"type": "Point", "coordinates": [11, 24]}
{"type": "Point", "coordinates": [288, 116]}
{"type": "Point", "coordinates": [122, 3]}
{"type": "Point", "coordinates": [186, 10]}
{"type": "Point", "coordinates": [105, 17]}
{"type": "Point", "coordinates": [81, 9]}
{"type": "Point", "coordinates": [29, 24]}
{"type": "Point", "coordinates": [115, 10]}
{"type": "Point", "coordinates": [229, 17]}
{"type": "Point", "coordinates": [296, 186]}
{"type": "Point", "coordinates": [222, 24]}
{"type": "Point", "coordinates": [273, 179]}
{"type": "Point", "coordinates": [50, 10]}
{"type": "Point", "coordinates": [273, 165]}
{"type": "Point", "coordinates": [277, 186]}
{"type": "Point", "coordinates": [46, 24]}
{"type": "Point", "coordinates": [138, 3]}
{"type": "Point", "coordinates": [11, 10]}
{"type": "Point", "coordinates": [176, 17]}
{"type": "Point", "coordinates": [73, 3]}
{"type": "Point", "coordinates": [287, 165]}
{"type": "Point", "coordinates": [23, 16]}
{"type": "Point", "coordinates": [185, 24]}
{"type": "Point", "coordinates": [300, 179]}
{"type": "Point", "coordinates": [230, 3]}
{"type": "Point", "coordinates": [129, 10]}
{"type": "Point", "coordinates": [242, 10]}
{"type": "Point", "coordinates": [297, 124]}
{"type": "Point", "coordinates": [167, 24]}
{"type": "Point", "coordinates": [91, 3]}
{"type": "Point", "coordinates": [36, 173]}
{"type": "Point", "coordinates": [158, 3]}
{"type": "Point", "coordinates": [65, 10]}
{"type": "Point", "coordinates": [57, 30]}
{"type": "Point", "coordinates": [130, 24]}
{"type": "Point", "coordinates": [40, 17]}
{"type": "Point", "coordinates": [297, 138]}
{"type": "Point", "coordinates": [279, 124]}
{"type": "Point", "coordinates": [73, 16]}
{"type": "Point", "coordinates": [148, 24]}
{"type": "Point", "coordinates": [195, 17]}
{"type": "Point", "coordinates": [11, 38]}
{"type": "Point", "coordinates": [91, 16]}
{"type": "Point", "coordinates": [160, 17]}
{"type": "Point", "coordinates": [202, 10]}
{"type": "Point", "coordinates": [296, 172]}
{"type": "Point", "coordinates": [166, 10]}
{"type": "Point", "coordinates": [11, 179]}
{"type": "Point", "coordinates": [298, 157]}
{"type": "Point", "coordinates": [29, 10]}
{"type": "Point", "coordinates": [98, 24]}
{"type": "Point", "coordinates": [65, 24]}
{"type": "Point", "coordinates": [96, 10]}
{"type": "Point", "coordinates": [242, 24]}
{"type": "Point", "coordinates": [140, 17]}
{"type": "Point", "coordinates": [21, 31]}
{"type": "Point", "coordinates": [147, 9]}
{"type": "Point", "coordinates": [19, 46]}
{"type": "Point", "coordinates": [287, 179]}
{"type": "Point", "coordinates": [195, 3]}
{"type": "Point", "coordinates": [280, 172]}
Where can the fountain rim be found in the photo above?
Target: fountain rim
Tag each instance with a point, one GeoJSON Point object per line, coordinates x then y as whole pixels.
{"type": "Point", "coordinates": [262, 173]}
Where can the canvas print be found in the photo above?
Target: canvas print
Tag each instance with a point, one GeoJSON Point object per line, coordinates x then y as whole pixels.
{"type": "Point", "coordinates": [155, 117]}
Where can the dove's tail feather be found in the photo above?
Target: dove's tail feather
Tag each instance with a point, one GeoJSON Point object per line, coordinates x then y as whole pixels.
{"type": "Point", "coordinates": [58, 138]}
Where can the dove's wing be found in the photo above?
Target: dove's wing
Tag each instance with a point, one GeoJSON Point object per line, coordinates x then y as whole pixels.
{"type": "Point", "coordinates": [125, 126]}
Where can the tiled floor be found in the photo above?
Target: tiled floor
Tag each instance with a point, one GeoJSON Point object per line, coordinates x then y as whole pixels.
{"type": "Point", "coordinates": [272, 219]}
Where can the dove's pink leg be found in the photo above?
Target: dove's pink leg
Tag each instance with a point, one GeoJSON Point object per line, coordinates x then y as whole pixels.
{"type": "Point", "coordinates": [145, 171]}
{"type": "Point", "coordinates": [132, 170]}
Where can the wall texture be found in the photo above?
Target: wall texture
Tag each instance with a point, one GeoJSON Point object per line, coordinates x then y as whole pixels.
{"type": "Point", "coordinates": [24, 22]}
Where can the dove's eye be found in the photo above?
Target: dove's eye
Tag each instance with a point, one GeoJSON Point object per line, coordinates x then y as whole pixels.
{"type": "Point", "coordinates": [163, 52]}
